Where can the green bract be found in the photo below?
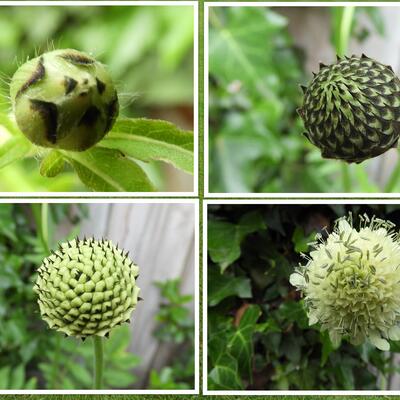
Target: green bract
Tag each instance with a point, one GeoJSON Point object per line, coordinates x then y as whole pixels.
{"type": "Point", "coordinates": [87, 287]}
{"type": "Point", "coordinates": [351, 283]}
{"type": "Point", "coordinates": [351, 109]}
{"type": "Point", "coordinates": [64, 99]}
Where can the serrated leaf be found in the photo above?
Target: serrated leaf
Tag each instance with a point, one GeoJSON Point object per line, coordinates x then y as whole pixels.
{"type": "Point", "coordinates": [13, 149]}
{"type": "Point", "coordinates": [52, 164]}
{"type": "Point", "coordinates": [146, 139]}
{"type": "Point", "coordinates": [107, 170]}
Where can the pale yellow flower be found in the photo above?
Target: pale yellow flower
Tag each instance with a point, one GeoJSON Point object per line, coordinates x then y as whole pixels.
{"type": "Point", "coordinates": [351, 283]}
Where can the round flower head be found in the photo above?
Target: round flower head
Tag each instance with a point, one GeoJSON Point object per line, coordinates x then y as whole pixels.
{"type": "Point", "coordinates": [87, 287]}
{"type": "Point", "coordinates": [64, 99]}
{"type": "Point", "coordinates": [351, 283]}
{"type": "Point", "coordinates": [351, 109]}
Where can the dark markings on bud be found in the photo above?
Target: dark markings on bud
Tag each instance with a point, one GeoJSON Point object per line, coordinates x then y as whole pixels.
{"type": "Point", "coordinates": [111, 111]}
{"type": "Point", "coordinates": [37, 75]}
{"type": "Point", "coordinates": [90, 118]}
{"type": "Point", "coordinates": [78, 58]}
{"type": "Point", "coordinates": [101, 86]}
{"type": "Point", "coordinates": [49, 113]}
{"type": "Point", "coordinates": [70, 84]}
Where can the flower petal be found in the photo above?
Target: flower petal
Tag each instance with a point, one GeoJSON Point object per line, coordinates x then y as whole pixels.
{"type": "Point", "coordinates": [297, 280]}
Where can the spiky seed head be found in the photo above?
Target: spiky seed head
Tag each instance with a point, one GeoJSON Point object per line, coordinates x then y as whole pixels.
{"type": "Point", "coordinates": [351, 282]}
{"type": "Point", "coordinates": [86, 288]}
{"type": "Point", "coordinates": [64, 99]}
{"type": "Point", "coordinates": [351, 109]}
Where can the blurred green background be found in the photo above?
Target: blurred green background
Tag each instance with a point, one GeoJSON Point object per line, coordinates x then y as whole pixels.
{"type": "Point", "coordinates": [149, 55]}
{"type": "Point", "coordinates": [258, 57]}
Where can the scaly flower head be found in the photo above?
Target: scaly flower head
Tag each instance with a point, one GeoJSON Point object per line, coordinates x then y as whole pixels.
{"type": "Point", "coordinates": [351, 283]}
{"type": "Point", "coordinates": [87, 287]}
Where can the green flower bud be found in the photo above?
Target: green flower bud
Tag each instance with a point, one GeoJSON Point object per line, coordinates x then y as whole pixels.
{"type": "Point", "coordinates": [351, 109]}
{"type": "Point", "coordinates": [351, 282]}
{"type": "Point", "coordinates": [64, 99]}
{"type": "Point", "coordinates": [87, 287]}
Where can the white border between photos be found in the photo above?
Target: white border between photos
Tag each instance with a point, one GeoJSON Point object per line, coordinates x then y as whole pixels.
{"type": "Point", "coordinates": [195, 6]}
{"type": "Point", "coordinates": [195, 202]}
{"type": "Point", "coordinates": [207, 193]}
{"type": "Point", "coordinates": [206, 203]}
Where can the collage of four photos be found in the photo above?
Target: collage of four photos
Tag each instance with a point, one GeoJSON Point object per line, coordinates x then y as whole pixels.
{"type": "Point", "coordinates": [199, 199]}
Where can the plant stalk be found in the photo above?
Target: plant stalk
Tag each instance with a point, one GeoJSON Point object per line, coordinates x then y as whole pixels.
{"type": "Point", "coordinates": [45, 226]}
{"type": "Point", "coordinates": [344, 37]}
{"type": "Point", "coordinates": [98, 362]}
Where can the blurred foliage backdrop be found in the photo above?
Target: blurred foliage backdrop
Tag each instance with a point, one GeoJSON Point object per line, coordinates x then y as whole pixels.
{"type": "Point", "coordinates": [35, 357]}
{"type": "Point", "coordinates": [255, 135]}
{"type": "Point", "coordinates": [149, 55]}
{"type": "Point", "coordinates": [258, 332]}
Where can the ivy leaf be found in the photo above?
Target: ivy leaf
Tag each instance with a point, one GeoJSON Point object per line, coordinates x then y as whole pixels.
{"type": "Point", "coordinates": [225, 375]}
{"type": "Point", "coordinates": [221, 286]}
{"type": "Point", "coordinates": [13, 149]}
{"type": "Point", "coordinates": [146, 139]}
{"type": "Point", "coordinates": [240, 344]}
{"type": "Point", "coordinates": [224, 238]}
{"type": "Point", "coordinates": [52, 164]}
{"type": "Point", "coordinates": [106, 170]}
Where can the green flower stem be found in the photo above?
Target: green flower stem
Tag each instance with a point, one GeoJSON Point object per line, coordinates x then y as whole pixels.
{"type": "Point", "coordinates": [345, 30]}
{"type": "Point", "coordinates": [98, 362]}
{"type": "Point", "coordinates": [344, 37]}
{"type": "Point", "coordinates": [346, 178]}
{"type": "Point", "coordinates": [45, 226]}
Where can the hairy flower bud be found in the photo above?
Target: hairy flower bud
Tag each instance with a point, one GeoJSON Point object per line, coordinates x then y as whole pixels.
{"type": "Point", "coordinates": [64, 99]}
{"type": "Point", "coordinates": [87, 287]}
{"type": "Point", "coordinates": [351, 109]}
{"type": "Point", "coordinates": [351, 283]}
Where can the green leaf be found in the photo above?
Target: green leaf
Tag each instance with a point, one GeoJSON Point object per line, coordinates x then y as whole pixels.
{"type": "Point", "coordinates": [4, 377]}
{"type": "Point", "coordinates": [17, 377]}
{"type": "Point", "coordinates": [225, 374]}
{"type": "Point", "coordinates": [13, 149]}
{"type": "Point", "coordinates": [146, 139]}
{"type": "Point", "coordinates": [52, 164]}
{"type": "Point", "coordinates": [31, 384]}
{"type": "Point", "coordinates": [221, 286]}
{"type": "Point", "coordinates": [224, 238]}
{"type": "Point", "coordinates": [294, 312]}
{"type": "Point", "coordinates": [327, 347]}
{"type": "Point", "coordinates": [118, 379]}
{"type": "Point", "coordinates": [80, 373]}
{"type": "Point", "coordinates": [240, 344]}
{"type": "Point", "coordinates": [106, 170]}
{"type": "Point", "coordinates": [300, 240]}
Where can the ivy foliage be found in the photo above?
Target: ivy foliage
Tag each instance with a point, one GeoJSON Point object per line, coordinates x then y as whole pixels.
{"type": "Point", "coordinates": [258, 332]}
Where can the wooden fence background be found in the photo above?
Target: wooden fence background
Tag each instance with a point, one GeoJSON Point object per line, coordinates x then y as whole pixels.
{"type": "Point", "coordinates": [160, 239]}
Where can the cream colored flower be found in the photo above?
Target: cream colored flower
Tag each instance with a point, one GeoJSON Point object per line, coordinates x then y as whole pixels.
{"type": "Point", "coordinates": [351, 283]}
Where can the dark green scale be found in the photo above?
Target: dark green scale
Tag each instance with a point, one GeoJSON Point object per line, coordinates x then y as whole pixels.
{"type": "Point", "coordinates": [351, 109]}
